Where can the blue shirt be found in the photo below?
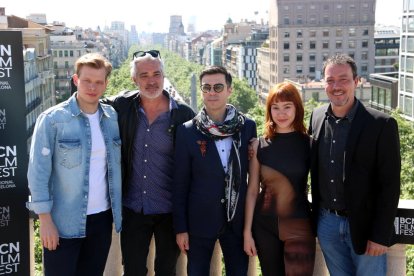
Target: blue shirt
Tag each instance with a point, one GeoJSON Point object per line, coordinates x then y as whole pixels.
{"type": "Point", "coordinates": [59, 166]}
{"type": "Point", "coordinates": [150, 187]}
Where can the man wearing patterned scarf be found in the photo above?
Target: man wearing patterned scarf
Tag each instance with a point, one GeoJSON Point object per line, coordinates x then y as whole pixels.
{"type": "Point", "coordinates": [211, 164]}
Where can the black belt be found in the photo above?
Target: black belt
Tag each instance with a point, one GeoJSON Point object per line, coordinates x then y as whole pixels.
{"type": "Point", "coordinates": [340, 213]}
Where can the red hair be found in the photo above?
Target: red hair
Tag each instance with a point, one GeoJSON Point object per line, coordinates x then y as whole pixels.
{"type": "Point", "coordinates": [284, 92]}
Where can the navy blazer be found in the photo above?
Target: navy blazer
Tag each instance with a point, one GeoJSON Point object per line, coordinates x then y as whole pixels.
{"type": "Point", "coordinates": [198, 194]}
{"type": "Point", "coordinates": [372, 174]}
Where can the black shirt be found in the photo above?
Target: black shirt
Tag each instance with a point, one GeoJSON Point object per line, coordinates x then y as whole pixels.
{"type": "Point", "coordinates": [332, 155]}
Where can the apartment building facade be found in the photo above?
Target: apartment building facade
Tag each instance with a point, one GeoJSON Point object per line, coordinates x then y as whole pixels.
{"type": "Point", "coordinates": [303, 34]}
{"type": "Point", "coordinates": [406, 66]}
{"type": "Point", "coordinates": [387, 46]}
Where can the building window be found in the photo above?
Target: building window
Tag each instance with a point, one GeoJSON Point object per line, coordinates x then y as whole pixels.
{"type": "Point", "coordinates": [338, 32]}
{"type": "Point", "coordinates": [312, 33]}
{"type": "Point", "coordinates": [409, 65]}
{"type": "Point", "coordinates": [364, 43]}
{"type": "Point", "coordinates": [365, 32]}
{"type": "Point", "coordinates": [55, 64]}
{"type": "Point", "coordinates": [312, 19]}
{"type": "Point", "coordinates": [54, 53]}
{"type": "Point", "coordinates": [286, 45]}
{"type": "Point", "coordinates": [352, 32]}
{"type": "Point", "coordinates": [351, 54]}
{"type": "Point", "coordinates": [312, 57]}
{"type": "Point", "coordinates": [312, 69]}
{"type": "Point", "coordinates": [60, 53]}
{"type": "Point", "coordinates": [325, 56]}
{"type": "Point", "coordinates": [364, 55]}
{"type": "Point", "coordinates": [364, 68]}
{"type": "Point", "coordinates": [286, 20]}
{"type": "Point", "coordinates": [325, 45]}
{"type": "Point", "coordinates": [285, 70]}
{"type": "Point", "coordinates": [312, 44]}
{"type": "Point", "coordinates": [299, 19]}
{"type": "Point", "coordinates": [286, 34]}
{"type": "Point", "coordinates": [299, 45]}
{"type": "Point", "coordinates": [325, 33]}
{"type": "Point", "coordinates": [71, 53]}
{"type": "Point", "coordinates": [299, 33]}
{"type": "Point", "coordinates": [298, 57]}
{"type": "Point", "coordinates": [351, 44]}
{"type": "Point", "coordinates": [325, 19]}
{"type": "Point", "coordinates": [338, 44]}
{"type": "Point", "coordinates": [286, 57]}
{"type": "Point", "coordinates": [299, 70]}
{"type": "Point", "coordinates": [66, 53]}
{"type": "Point", "coordinates": [66, 64]}
{"type": "Point", "coordinates": [408, 106]}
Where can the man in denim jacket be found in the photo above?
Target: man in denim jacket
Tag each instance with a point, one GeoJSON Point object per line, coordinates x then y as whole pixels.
{"type": "Point", "coordinates": [75, 175]}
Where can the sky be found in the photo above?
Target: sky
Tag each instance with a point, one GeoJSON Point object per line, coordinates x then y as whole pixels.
{"type": "Point", "coordinates": [154, 15]}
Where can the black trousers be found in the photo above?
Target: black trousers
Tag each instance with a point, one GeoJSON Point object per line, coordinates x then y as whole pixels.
{"type": "Point", "coordinates": [82, 256]}
{"type": "Point", "coordinates": [201, 250]}
{"type": "Point", "coordinates": [284, 246]}
{"type": "Point", "coordinates": [136, 235]}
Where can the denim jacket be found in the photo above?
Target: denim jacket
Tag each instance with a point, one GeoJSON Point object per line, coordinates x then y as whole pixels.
{"type": "Point", "coordinates": [59, 165]}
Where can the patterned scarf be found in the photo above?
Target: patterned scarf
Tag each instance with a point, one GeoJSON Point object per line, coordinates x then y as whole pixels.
{"type": "Point", "coordinates": [231, 126]}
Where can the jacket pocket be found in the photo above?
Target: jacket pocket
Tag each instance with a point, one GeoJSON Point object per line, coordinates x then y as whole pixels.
{"type": "Point", "coordinates": [70, 153]}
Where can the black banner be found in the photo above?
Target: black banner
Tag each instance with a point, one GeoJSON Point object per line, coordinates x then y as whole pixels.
{"type": "Point", "coordinates": [14, 217]}
{"type": "Point", "coordinates": [404, 226]}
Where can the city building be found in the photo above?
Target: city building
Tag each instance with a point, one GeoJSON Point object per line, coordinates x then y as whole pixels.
{"type": "Point", "coordinates": [387, 46]}
{"type": "Point", "coordinates": [303, 34]}
{"type": "Point", "coordinates": [133, 36]}
{"type": "Point", "coordinates": [406, 65]}
{"type": "Point", "coordinates": [263, 68]}
{"type": "Point", "coordinates": [384, 91]}
{"type": "Point", "coordinates": [176, 25]}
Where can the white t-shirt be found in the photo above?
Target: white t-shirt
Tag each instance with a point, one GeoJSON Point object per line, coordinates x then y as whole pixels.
{"type": "Point", "coordinates": [98, 198]}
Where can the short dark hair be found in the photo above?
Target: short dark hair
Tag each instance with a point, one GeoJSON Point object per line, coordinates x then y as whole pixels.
{"type": "Point", "coordinates": [217, 70]}
{"type": "Point", "coordinates": [341, 59]}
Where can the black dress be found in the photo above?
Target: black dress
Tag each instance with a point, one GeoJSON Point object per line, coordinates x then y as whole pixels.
{"type": "Point", "coordinates": [281, 224]}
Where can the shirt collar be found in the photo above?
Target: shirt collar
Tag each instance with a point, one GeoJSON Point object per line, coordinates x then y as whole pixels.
{"type": "Point", "coordinates": [351, 114]}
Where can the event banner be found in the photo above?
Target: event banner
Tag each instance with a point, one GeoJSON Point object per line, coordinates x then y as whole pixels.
{"type": "Point", "coordinates": [14, 217]}
{"type": "Point", "coordinates": [404, 226]}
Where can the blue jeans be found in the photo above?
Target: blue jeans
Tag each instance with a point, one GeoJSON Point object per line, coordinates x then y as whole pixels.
{"type": "Point", "coordinates": [335, 241]}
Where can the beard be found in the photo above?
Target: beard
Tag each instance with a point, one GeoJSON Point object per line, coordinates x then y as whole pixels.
{"type": "Point", "coordinates": [151, 92]}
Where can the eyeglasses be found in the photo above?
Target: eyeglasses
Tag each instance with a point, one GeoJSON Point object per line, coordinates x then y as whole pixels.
{"type": "Point", "coordinates": [153, 53]}
{"type": "Point", "coordinates": [218, 87]}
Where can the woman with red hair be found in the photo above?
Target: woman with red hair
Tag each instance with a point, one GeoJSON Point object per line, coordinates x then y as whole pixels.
{"type": "Point", "coordinates": [277, 217]}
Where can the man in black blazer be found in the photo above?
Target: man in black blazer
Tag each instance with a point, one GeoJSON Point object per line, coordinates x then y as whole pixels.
{"type": "Point", "coordinates": [355, 175]}
{"type": "Point", "coordinates": [210, 178]}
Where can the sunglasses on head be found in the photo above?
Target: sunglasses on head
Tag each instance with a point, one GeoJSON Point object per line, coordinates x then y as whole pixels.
{"type": "Point", "coordinates": [218, 87]}
{"type": "Point", "coordinates": [153, 53]}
